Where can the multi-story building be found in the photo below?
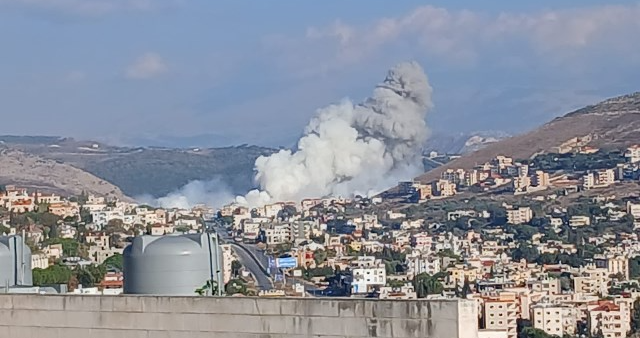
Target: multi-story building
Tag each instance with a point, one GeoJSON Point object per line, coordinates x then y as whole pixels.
{"type": "Point", "coordinates": [579, 221]}
{"type": "Point", "coordinates": [278, 234]}
{"type": "Point", "coordinates": [554, 319]}
{"type": "Point", "coordinates": [455, 176]}
{"type": "Point", "coordinates": [609, 319]}
{"type": "Point", "coordinates": [520, 183]}
{"type": "Point", "coordinates": [418, 263]}
{"type": "Point", "coordinates": [443, 188]}
{"type": "Point", "coordinates": [102, 218]}
{"type": "Point", "coordinates": [501, 314]}
{"type": "Point", "coordinates": [545, 284]}
{"type": "Point", "coordinates": [633, 209]}
{"type": "Point", "coordinates": [367, 273]}
{"type": "Point", "coordinates": [471, 178]}
{"type": "Point", "coordinates": [521, 215]}
{"type": "Point", "coordinates": [39, 261]}
{"type": "Point", "coordinates": [615, 264]}
{"type": "Point", "coordinates": [598, 179]}
{"type": "Point", "coordinates": [502, 162]}
{"type": "Point", "coordinates": [592, 280]}
{"type": "Point", "coordinates": [65, 209]}
{"type": "Point", "coordinates": [540, 179]}
{"type": "Point", "coordinates": [633, 154]}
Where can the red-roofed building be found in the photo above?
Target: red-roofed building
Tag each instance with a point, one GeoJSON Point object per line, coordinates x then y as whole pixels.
{"type": "Point", "coordinates": [610, 319]}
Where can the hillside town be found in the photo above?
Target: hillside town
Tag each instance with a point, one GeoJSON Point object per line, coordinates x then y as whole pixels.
{"type": "Point", "coordinates": [547, 246]}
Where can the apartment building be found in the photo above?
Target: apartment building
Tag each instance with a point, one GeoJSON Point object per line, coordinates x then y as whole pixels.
{"type": "Point", "coordinates": [579, 221]}
{"type": "Point", "coordinates": [615, 264]}
{"type": "Point", "coordinates": [278, 234]}
{"type": "Point", "coordinates": [520, 183]}
{"type": "Point", "coordinates": [521, 215]}
{"type": "Point", "coordinates": [609, 319]}
{"type": "Point", "coordinates": [633, 209]}
{"type": "Point", "coordinates": [592, 280]}
{"type": "Point", "coordinates": [455, 176]}
{"type": "Point", "coordinates": [367, 273]}
{"type": "Point", "coordinates": [554, 319]}
{"type": "Point", "coordinates": [633, 154]}
{"type": "Point", "coordinates": [545, 284]}
{"type": "Point", "coordinates": [598, 179]}
{"type": "Point", "coordinates": [443, 188]}
{"type": "Point", "coordinates": [65, 209]}
{"type": "Point", "coordinates": [501, 314]}
{"type": "Point", "coordinates": [540, 179]}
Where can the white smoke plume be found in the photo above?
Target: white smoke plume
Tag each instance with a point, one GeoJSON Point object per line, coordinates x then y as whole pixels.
{"type": "Point", "coordinates": [210, 193]}
{"type": "Point", "coordinates": [352, 148]}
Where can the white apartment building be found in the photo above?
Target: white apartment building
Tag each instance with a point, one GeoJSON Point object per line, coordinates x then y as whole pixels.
{"type": "Point", "coordinates": [188, 223]}
{"type": "Point", "coordinates": [544, 284]}
{"type": "Point", "coordinates": [579, 221]}
{"type": "Point", "coordinates": [501, 315]}
{"type": "Point", "coordinates": [278, 234]}
{"type": "Point", "coordinates": [598, 179]}
{"type": "Point", "coordinates": [422, 263]}
{"type": "Point", "coordinates": [250, 230]}
{"type": "Point", "coordinates": [554, 319]}
{"type": "Point", "coordinates": [633, 154]}
{"type": "Point", "coordinates": [39, 261]}
{"type": "Point", "coordinates": [633, 209]}
{"type": "Point", "coordinates": [592, 280]}
{"type": "Point", "coordinates": [101, 218]}
{"type": "Point", "coordinates": [521, 215]}
{"type": "Point", "coordinates": [540, 179]}
{"type": "Point", "coordinates": [455, 176]}
{"type": "Point", "coordinates": [367, 273]}
{"type": "Point", "coordinates": [612, 320]}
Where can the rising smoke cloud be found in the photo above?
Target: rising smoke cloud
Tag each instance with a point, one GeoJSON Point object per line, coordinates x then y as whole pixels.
{"type": "Point", "coordinates": [212, 193]}
{"type": "Point", "coordinates": [352, 148]}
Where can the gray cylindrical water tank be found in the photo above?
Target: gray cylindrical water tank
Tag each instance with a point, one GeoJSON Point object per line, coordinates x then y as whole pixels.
{"type": "Point", "coordinates": [171, 265]}
{"type": "Point", "coordinates": [15, 262]}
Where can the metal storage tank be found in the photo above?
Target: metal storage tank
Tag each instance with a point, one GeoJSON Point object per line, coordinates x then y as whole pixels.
{"type": "Point", "coordinates": [171, 264]}
{"type": "Point", "coordinates": [15, 262]}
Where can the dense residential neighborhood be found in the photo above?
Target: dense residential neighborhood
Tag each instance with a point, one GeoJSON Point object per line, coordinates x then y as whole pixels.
{"type": "Point", "coordinates": [546, 246]}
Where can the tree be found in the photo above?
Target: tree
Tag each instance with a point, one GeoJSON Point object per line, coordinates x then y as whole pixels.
{"type": "Point", "coordinates": [526, 252]}
{"type": "Point", "coordinates": [530, 332]}
{"type": "Point", "coordinates": [236, 286]}
{"type": "Point", "coordinates": [55, 274]}
{"type": "Point", "coordinates": [319, 256]}
{"type": "Point", "coordinates": [114, 261]}
{"type": "Point", "coordinates": [635, 316]}
{"type": "Point", "coordinates": [426, 284]}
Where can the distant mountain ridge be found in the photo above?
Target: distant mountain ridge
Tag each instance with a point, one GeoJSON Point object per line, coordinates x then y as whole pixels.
{"type": "Point", "coordinates": [154, 171]}
{"type": "Point", "coordinates": [613, 123]}
{"type": "Point", "coordinates": [37, 173]}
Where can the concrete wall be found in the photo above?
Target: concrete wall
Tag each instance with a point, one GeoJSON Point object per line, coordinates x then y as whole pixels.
{"type": "Point", "coordinates": [81, 316]}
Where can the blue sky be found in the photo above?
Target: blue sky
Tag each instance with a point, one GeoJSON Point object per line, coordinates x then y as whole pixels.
{"type": "Point", "coordinates": [202, 72]}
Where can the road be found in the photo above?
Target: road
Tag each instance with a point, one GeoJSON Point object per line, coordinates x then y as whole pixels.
{"type": "Point", "coordinates": [249, 256]}
{"type": "Point", "coordinates": [248, 261]}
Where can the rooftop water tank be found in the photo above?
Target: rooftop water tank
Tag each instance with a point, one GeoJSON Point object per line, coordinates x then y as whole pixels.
{"type": "Point", "coordinates": [171, 264]}
{"type": "Point", "coordinates": [15, 262]}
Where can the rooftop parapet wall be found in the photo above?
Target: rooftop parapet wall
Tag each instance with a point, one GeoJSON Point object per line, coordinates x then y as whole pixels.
{"type": "Point", "coordinates": [72, 316]}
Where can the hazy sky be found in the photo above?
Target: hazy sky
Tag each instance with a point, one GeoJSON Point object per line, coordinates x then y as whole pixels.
{"type": "Point", "coordinates": [232, 72]}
